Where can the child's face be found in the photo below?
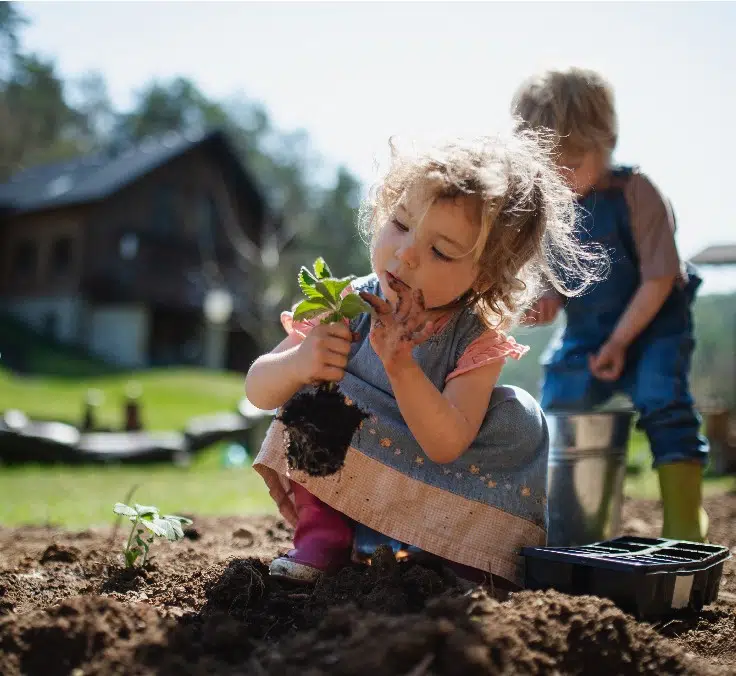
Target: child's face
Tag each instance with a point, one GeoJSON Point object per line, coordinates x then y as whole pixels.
{"type": "Point", "coordinates": [433, 256]}
{"type": "Point", "coordinates": [582, 172]}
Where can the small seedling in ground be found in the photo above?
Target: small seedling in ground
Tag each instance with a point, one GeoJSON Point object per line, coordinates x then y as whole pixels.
{"type": "Point", "coordinates": [320, 423]}
{"type": "Point", "coordinates": [148, 524]}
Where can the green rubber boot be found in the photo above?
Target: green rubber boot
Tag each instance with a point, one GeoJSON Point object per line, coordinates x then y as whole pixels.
{"type": "Point", "coordinates": [681, 485]}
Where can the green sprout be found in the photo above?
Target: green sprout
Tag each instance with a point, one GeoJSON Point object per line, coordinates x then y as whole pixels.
{"type": "Point", "coordinates": [323, 294]}
{"type": "Point", "coordinates": [147, 524]}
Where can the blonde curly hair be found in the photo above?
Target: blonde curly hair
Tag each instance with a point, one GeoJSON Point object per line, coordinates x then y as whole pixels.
{"type": "Point", "coordinates": [576, 104]}
{"type": "Point", "coordinates": [525, 211]}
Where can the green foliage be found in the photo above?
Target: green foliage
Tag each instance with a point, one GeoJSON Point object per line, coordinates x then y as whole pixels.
{"type": "Point", "coordinates": [147, 525]}
{"type": "Point", "coordinates": [165, 106]}
{"type": "Point", "coordinates": [323, 294]}
{"type": "Point", "coordinates": [77, 496]}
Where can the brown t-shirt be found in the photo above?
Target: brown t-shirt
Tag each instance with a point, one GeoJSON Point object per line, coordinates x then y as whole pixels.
{"type": "Point", "coordinates": [652, 225]}
{"type": "Point", "coordinates": [653, 229]}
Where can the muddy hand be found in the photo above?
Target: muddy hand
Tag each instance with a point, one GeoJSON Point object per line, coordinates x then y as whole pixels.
{"type": "Point", "coordinates": [395, 331]}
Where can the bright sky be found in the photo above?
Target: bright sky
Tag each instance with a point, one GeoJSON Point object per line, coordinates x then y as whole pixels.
{"type": "Point", "coordinates": [352, 74]}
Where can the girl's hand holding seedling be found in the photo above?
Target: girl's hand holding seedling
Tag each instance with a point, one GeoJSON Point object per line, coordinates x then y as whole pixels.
{"type": "Point", "coordinates": [320, 423]}
{"type": "Point", "coordinates": [396, 331]}
{"type": "Point", "coordinates": [323, 355]}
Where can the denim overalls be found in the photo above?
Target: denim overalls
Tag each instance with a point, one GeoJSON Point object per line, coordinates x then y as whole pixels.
{"type": "Point", "coordinates": [658, 361]}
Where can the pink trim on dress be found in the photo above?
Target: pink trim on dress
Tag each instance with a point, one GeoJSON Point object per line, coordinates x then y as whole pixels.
{"type": "Point", "coordinates": [491, 346]}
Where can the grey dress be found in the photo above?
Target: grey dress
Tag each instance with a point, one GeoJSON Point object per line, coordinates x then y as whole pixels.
{"type": "Point", "coordinates": [477, 510]}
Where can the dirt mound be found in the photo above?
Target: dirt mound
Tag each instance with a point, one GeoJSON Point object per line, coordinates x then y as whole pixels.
{"type": "Point", "coordinates": [208, 606]}
{"type": "Point", "coordinates": [60, 553]}
{"type": "Point", "coordinates": [365, 620]}
{"type": "Point", "coordinates": [529, 634]}
{"type": "Point", "coordinates": [92, 633]}
{"type": "Point", "coordinates": [711, 634]}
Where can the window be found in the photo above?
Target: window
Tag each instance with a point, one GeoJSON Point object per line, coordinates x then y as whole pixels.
{"type": "Point", "coordinates": [61, 257]}
{"type": "Point", "coordinates": [25, 261]}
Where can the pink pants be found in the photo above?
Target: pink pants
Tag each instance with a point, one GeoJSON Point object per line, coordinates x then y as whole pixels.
{"type": "Point", "coordinates": [323, 537]}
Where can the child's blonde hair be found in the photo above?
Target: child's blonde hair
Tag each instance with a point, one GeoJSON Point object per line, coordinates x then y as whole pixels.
{"type": "Point", "coordinates": [576, 104]}
{"type": "Point", "coordinates": [525, 211]}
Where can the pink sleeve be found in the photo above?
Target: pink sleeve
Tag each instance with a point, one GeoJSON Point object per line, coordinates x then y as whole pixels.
{"type": "Point", "coordinates": [302, 328]}
{"type": "Point", "coordinates": [491, 346]}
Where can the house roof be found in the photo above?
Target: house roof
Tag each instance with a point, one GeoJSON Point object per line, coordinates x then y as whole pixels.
{"type": "Point", "coordinates": [719, 254]}
{"type": "Point", "coordinates": [94, 177]}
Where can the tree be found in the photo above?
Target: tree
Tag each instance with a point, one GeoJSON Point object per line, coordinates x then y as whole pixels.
{"type": "Point", "coordinates": [177, 105]}
{"type": "Point", "coordinates": [11, 21]}
{"type": "Point", "coordinates": [97, 117]}
{"type": "Point", "coordinates": [36, 123]}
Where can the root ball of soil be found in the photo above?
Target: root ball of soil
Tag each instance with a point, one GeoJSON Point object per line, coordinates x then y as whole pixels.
{"type": "Point", "coordinates": [320, 424]}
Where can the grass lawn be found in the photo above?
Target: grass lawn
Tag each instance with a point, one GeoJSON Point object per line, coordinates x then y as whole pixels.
{"type": "Point", "coordinates": [170, 397]}
{"type": "Point", "coordinates": [80, 497]}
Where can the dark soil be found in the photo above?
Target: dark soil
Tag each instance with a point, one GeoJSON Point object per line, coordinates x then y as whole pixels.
{"type": "Point", "coordinates": [320, 424]}
{"type": "Point", "coordinates": [206, 605]}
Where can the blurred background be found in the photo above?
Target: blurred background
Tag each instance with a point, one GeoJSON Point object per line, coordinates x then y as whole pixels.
{"type": "Point", "coordinates": [165, 168]}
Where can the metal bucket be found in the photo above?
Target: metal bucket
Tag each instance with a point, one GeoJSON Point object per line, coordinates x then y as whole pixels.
{"type": "Point", "coordinates": [587, 467]}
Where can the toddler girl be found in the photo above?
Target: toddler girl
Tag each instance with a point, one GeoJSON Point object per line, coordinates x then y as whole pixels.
{"type": "Point", "coordinates": [449, 462]}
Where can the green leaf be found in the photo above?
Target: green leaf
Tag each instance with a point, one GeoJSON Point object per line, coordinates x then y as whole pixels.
{"type": "Point", "coordinates": [168, 528]}
{"type": "Point", "coordinates": [181, 519]}
{"type": "Point", "coordinates": [332, 318]}
{"type": "Point", "coordinates": [308, 309]}
{"type": "Point", "coordinates": [146, 510]}
{"type": "Point", "coordinates": [154, 527]}
{"type": "Point", "coordinates": [325, 293]}
{"type": "Point", "coordinates": [143, 544]}
{"type": "Point", "coordinates": [120, 508]}
{"type": "Point", "coordinates": [176, 526]}
{"type": "Point", "coordinates": [353, 305]}
{"type": "Point", "coordinates": [335, 287]}
{"type": "Point", "coordinates": [307, 282]}
{"type": "Point", "coordinates": [321, 269]}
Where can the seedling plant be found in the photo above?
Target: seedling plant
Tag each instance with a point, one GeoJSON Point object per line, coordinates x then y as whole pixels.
{"type": "Point", "coordinates": [320, 423]}
{"type": "Point", "coordinates": [148, 524]}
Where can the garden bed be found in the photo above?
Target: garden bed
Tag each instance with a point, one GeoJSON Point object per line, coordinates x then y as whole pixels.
{"type": "Point", "coordinates": [206, 605]}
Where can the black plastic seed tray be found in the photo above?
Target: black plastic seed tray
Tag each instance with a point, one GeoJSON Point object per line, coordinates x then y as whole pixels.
{"type": "Point", "coordinates": [649, 577]}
